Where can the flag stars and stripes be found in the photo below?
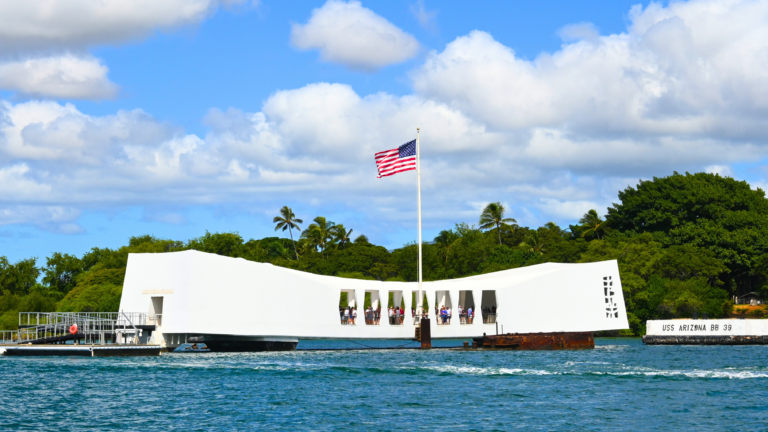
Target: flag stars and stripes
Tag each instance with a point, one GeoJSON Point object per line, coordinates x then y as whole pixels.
{"type": "Point", "coordinates": [403, 158]}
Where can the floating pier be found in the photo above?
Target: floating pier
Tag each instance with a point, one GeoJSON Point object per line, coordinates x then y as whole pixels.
{"type": "Point", "coordinates": [82, 350]}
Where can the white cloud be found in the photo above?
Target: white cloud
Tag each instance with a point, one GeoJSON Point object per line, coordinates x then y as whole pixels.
{"type": "Point", "coordinates": [552, 138]}
{"type": "Point", "coordinates": [16, 186]}
{"type": "Point", "coordinates": [65, 76]}
{"type": "Point", "coordinates": [354, 36]}
{"type": "Point", "coordinates": [693, 69]}
{"type": "Point", "coordinates": [722, 170]}
{"type": "Point", "coordinates": [58, 219]}
{"type": "Point", "coordinates": [34, 24]}
{"type": "Point", "coordinates": [581, 31]}
{"type": "Point", "coordinates": [426, 18]}
{"type": "Point", "coordinates": [38, 36]}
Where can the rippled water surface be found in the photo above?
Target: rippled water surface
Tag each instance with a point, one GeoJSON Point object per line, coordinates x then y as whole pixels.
{"type": "Point", "coordinates": [620, 385]}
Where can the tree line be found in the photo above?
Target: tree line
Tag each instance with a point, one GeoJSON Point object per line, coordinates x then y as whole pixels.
{"type": "Point", "coordinates": [685, 244]}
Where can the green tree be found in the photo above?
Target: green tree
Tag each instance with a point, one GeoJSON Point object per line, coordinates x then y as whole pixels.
{"type": "Point", "coordinates": [61, 270]}
{"type": "Point", "coordinates": [534, 243]}
{"type": "Point", "coordinates": [288, 221]}
{"type": "Point", "coordinates": [320, 233]}
{"type": "Point", "coordinates": [226, 244]}
{"type": "Point", "coordinates": [446, 240]}
{"type": "Point", "coordinates": [341, 235]}
{"type": "Point", "coordinates": [554, 229]}
{"type": "Point", "coordinates": [493, 216]}
{"type": "Point", "coordinates": [704, 210]}
{"type": "Point", "coordinates": [593, 224]}
{"type": "Point", "coordinates": [18, 278]}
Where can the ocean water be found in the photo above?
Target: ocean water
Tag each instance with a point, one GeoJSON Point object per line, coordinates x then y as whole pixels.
{"type": "Point", "coordinates": [620, 385]}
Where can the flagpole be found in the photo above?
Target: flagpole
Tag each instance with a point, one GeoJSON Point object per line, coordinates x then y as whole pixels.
{"type": "Point", "coordinates": [419, 300]}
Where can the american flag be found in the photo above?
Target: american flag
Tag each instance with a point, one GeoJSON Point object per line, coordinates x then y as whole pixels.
{"type": "Point", "coordinates": [397, 160]}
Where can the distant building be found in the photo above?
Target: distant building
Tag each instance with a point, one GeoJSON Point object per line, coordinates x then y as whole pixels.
{"type": "Point", "coordinates": [751, 298]}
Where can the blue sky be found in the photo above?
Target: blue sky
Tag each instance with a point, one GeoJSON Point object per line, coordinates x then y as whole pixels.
{"type": "Point", "coordinates": [239, 58]}
{"type": "Point", "coordinates": [175, 117]}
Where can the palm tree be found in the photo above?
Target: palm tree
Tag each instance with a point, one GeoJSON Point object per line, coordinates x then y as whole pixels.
{"type": "Point", "coordinates": [493, 216]}
{"type": "Point", "coordinates": [534, 243]}
{"type": "Point", "coordinates": [341, 235]}
{"type": "Point", "coordinates": [320, 233]}
{"type": "Point", "coordinates": [593, 224]}
{"type": "Point", "coordinates": [288, 221]}
{"type": "Point", "coordinates": [305, 246]}
{"type": "Point", "coordinates": [278, 249]}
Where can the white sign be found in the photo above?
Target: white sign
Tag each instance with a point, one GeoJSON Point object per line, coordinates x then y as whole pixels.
{"type": "Point", "coordinates": [717, 327]}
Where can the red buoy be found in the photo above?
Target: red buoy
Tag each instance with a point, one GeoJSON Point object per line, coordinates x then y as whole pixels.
{"type": "Point", "coordinates": [73, 329]}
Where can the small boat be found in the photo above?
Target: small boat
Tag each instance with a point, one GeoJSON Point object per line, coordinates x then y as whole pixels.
{"type": "Point", "coordinates": [192, 348]}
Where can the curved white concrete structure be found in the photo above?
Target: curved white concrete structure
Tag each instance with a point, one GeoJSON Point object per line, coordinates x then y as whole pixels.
{"type": "Point", "coordinates": [194, 293]}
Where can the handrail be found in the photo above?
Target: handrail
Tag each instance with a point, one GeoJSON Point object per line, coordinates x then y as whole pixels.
{"type": "Point", "coordinates": [91, 326]}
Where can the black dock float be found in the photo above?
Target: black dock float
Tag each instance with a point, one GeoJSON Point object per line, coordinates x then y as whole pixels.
{"type": "Point", "coordinates": [83, 350]}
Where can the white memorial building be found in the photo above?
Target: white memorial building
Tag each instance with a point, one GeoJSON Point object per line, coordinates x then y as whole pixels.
{"type": "Point", "coordinates": [236, 305]}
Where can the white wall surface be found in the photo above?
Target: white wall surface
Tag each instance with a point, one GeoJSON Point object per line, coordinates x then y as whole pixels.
{"type": "Point", "coordinates": [212, 294]}
{"type": "Point", "coordinates": [708, 327]}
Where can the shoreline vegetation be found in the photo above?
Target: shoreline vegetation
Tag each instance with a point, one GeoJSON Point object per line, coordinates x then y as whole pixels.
{"type": "Point", "coordinates": [686, 244]}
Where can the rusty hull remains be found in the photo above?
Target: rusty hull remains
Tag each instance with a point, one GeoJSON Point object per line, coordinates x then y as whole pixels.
{"type": "Point", "coordinates": [537, 341]}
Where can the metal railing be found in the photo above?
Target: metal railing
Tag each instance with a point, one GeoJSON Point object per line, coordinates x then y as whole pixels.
{"type": "Point", "coordinates": [30, 319]}
{"type": "Point", "coordinates": [9, 336]}
{"type": "Point", "coordinates": [92, 327]}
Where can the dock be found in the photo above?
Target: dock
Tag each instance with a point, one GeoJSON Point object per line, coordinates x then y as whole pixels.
{"type": "Point", "coordinates": [81, 334]}
{"type": "Point", "coordinates": [82, 350]}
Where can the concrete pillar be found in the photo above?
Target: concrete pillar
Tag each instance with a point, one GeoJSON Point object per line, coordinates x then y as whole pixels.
{"type": "Point", "coordinates": [455, 320]}
{"type": "Point", "coordinates": [477, 296]}
{"type": "Point", "coordinates": [375, 299]}
{"type": "Point", "coordinates": [360, 306]}
{"type": "Point", "coordinates": [431, 309]}
{"type": "Point", "coordinates": [408, 297]}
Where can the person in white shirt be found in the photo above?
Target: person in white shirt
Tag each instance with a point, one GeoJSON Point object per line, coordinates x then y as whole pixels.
{"type": "Point", "coordinates": [346, 316]}
{"type": "Point", "coordinates": [449, 314]}
{"type": "Point", "coordinates": [461, 315]}
{"type": "Point", "coordinates": [353, 315]}
{"type": "Point", "coordinates": [391, 313]}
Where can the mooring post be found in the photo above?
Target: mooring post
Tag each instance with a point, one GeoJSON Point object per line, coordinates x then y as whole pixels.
{"type": "Point", "coordinates": [426, 334]}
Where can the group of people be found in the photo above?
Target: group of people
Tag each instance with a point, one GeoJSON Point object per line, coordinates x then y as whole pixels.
{"type": "Point", "coordinates": [348, 315]}
{"type": "Point", "coordinates": [396, 315]}
{"type": "Point", "coordinates": [372, 316]}
{"type": "Point", "coordinates": [443, 315]}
